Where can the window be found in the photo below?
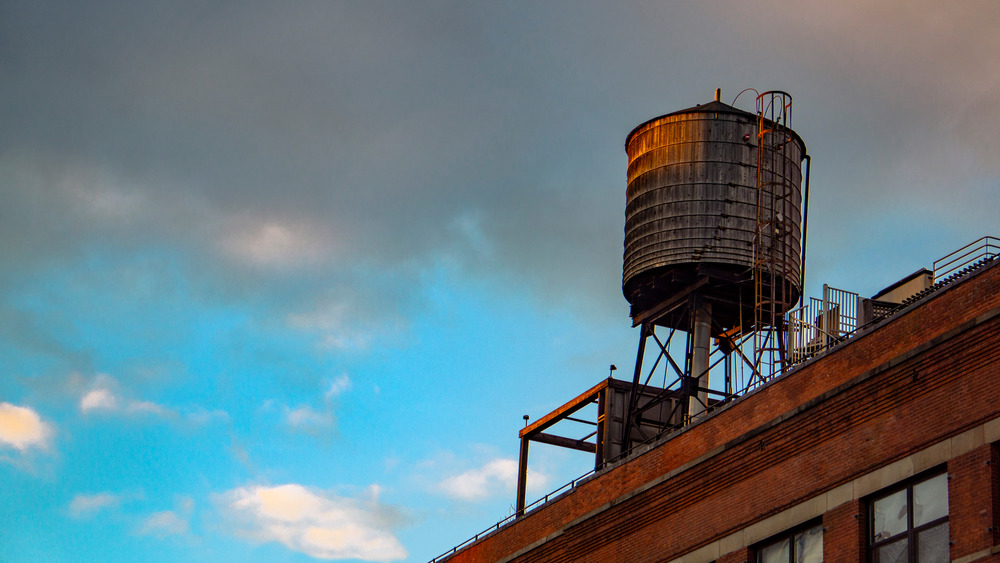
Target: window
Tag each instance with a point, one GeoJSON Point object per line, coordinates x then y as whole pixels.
{"type": "Point", "coordinates": [910, 525]}
{"type": "Point", "coordinates": [801, 546]}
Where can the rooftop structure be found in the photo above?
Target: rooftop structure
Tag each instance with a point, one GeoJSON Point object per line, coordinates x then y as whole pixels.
{"type": "Point", "coordinates": [838, 428]}
{"type": "Point", "coordinates": [818, 455]}
{"type": "Point", "coordinates": [714, 248]}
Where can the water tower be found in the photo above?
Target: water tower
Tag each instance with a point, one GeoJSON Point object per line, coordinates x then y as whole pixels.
{"type": "Point", "coordinates": [715, 223]}
{"type": "Point", "coordinates": [714, 244]}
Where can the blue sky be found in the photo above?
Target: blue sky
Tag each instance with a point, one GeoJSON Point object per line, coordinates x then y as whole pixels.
{"type": "Point", "coordinates": [278, 281]}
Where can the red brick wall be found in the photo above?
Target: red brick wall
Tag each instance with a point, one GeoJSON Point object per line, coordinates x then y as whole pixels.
{"type": "Point", "coordinates": [926, 395]}
{"type": "Point", "coordinates": [972, 501]}
{"type": "Point", "coordinates": [845, 533]}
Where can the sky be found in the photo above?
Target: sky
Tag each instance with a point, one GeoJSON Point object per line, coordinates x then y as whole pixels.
{"type": "Point", "coordinates": [278, 280]}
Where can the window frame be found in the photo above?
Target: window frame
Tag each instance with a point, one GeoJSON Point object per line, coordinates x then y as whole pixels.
{"type": "Point", "coordinates": [911, 533]}
{"type": "Point", "coordinates": [789, 534]}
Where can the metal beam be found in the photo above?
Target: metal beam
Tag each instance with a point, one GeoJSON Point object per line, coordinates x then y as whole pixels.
{"type": "Point", "coordinates": [663, 351]}
{"type": "Point", "coordinates": [522, 476]}
{"type": "Point", "coordinates": [570, 443]}
{"type": "Point", "coordinates": [680, 298]}
{"type": "Point", "coordinates": [564, 411]}
{"type": "Point", "coordinates": [603, 424]}
{"type": "Point", "coordinates": [632, 396]}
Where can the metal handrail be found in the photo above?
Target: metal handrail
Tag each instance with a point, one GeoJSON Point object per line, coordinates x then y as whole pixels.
{"type": "Point", "coordinates": [544, 500]}
{"type": "Point", "coordinates": [568, 486]}
{"type": "Point", "coordinates": [985, 247]}
{"type": "Point", "coordinates": [821, 323]}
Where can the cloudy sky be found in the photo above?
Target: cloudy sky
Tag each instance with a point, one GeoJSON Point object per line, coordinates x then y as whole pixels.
{"type": "Point", "coordinates": [278, 280]}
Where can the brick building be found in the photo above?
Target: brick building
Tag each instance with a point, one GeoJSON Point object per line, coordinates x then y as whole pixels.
{"type": "Point", "coordinates": [883, 448]}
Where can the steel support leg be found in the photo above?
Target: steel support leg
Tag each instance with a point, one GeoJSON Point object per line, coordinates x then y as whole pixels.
{"type": "Point", "coordinates": [702, 315]}
{"type": "Point", "coordinates": [522, 476]}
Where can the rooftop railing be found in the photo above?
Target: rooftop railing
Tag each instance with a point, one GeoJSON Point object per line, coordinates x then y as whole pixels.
{"type": "Point", "coordinates": [839, 315]}
{"type": "Point", "coordinates": [986, 248]}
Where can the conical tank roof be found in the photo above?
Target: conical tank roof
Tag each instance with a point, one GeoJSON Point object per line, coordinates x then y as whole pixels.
{"type": "Point", "coordinates": [714, 106]}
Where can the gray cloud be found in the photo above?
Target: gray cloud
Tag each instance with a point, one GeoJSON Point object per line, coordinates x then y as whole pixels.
{"type": "Point", "coordinates": [297, 148]}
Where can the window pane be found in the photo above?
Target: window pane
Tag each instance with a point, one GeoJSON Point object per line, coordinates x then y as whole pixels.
{"type": "Point", "coordinates": [932, 545]}
{"type": "Point", "coordinates": [890, 516]}
{"type": "Point", "coordinates": [895, 552]}
{"type": "Point", "coordinates": [809, 545]}
{"type": "Point", "coordinates": [930, 500]}
{"type": "Point", "coordinates": [775, 553]}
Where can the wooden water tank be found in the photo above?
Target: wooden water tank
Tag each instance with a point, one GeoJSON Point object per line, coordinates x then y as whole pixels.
{"type": "Point", "coordinates": [692, 208]}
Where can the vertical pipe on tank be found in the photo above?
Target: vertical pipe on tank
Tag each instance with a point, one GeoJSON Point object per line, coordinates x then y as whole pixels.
{"type": "Point", "coordinates": [805, 225]}
{"type": "Point", "coordinates": [699, 357]}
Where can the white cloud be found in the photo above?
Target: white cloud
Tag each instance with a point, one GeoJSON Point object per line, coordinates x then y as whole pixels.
{"type": "Point", "coordinates": [22, 428]}
{"type": "Point", "coordinates": [496, 476]}
{"type": "Point", "coordinates": [302, 418]}
{"type": "Point", "coordinates": [103, 396]}
{"type": "Point", "coordinates": [337, 386]}
{"type": "Point", "coordinates": [306, 417]}
{"type": "Point", "coordinates": [99, 399]}
{"type": "Point", "coordinates": [318, 523]}
{"type": "Point", "coordinates": [335, 322]}
{"type": "Point", "coordinates": [83, 504]}
{"type": "Point", "coordinates": [163, 524]}
{"type": "Point", "coordinates": [147, 407]}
